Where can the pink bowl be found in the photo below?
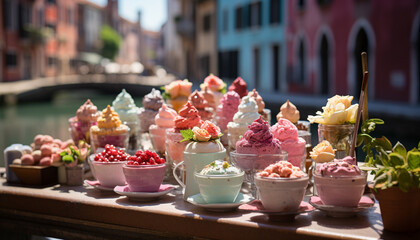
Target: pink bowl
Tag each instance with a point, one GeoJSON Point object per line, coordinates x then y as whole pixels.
{"type": "Point", "coordinates": [144, 178]}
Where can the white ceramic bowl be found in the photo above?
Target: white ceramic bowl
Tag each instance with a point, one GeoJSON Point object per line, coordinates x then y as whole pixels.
{"type": "Point", "coordinates": [109, 174]}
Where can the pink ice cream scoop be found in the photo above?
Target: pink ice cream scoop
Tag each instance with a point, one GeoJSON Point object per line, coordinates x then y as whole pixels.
{"type": "Point", "coordinates": [287, 133]}
{"type": "Point", "coordinates": [258, 140]}
{"type": "Point", "coordinates": [339, 168]}
{"type": "Point", "coordinates": [227, 108]}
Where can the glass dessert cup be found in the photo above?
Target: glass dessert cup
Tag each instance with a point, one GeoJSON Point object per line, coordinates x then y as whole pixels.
{"type": "Point", "coordinates": [233, 136]}
{"type": "Point", "coordinates": [100, 140]}
{"type": "Point", "coordinates": [303, 126]}
{"type": "Point", "coordinates": [219, 188]}
{"type": "Point", "coordinates": [109, 174]}
{"type": "Point", "coordinates": [281, 194]}
{"type": "Point", "coordinates": [344, 191]}
{"type": "Point", "coordinates": [192, 163]}
{"type": "Point", "coordinates": [266, 115]}
{"type": "Point", "coordinates": [174, 148]}
{"type": "Point", "coordinates": [134, 136]}
{"type": "Point", "coordinates": [252, 163]}
{"type": "Point", "coordinates": [298, 160]}
{"type": "Point", "coordinates": [157, 137]}
{"type": "Point", "coordinates": [80, 130]}
{"type": "Point", "coordinates": [340, 137]}
{"type": "Point", "coordinates": [144, 178]}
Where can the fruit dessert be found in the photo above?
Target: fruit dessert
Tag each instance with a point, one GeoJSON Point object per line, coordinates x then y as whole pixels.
{"type": "Point", "coordinates": [127, 111]}
{"type": "Point", "coordinates": [336, 123]}
{"type": "Point", "coordinates": [239, 86]}
{"type": "Point", "coordinates": [281, 186]}
{"type": "Point", "coordinates": [289, 111]}
{"type": "Point", "coordinates": [287, 133]}
{"type": "Point", "coordinates": [219, 182]}
{"type": "Point", "coordinates": [216, 86]}
{"type": "Point", "coordinates": [187, 119]}
{"type": "Point", "coordinates": [107, 166]}
{"type": "Point", "coordinates": [265, 113]}
{"type": "Point", "coordinates": [164, 120]}
{"type": "Point", "coordinates": [225, 112]}
{"type": "Point", "coordinates": [176, 93]}
{"type": "Point", "coordinates": [152, 102]}
{"type": "Point", "coordinates": [203, 148]}
{"type": "Point", "coordinates": [109, 130]}
{"type": "Point", "coordinates": [144, 171]}
{"type": "Point", "coordinates": [340, 182]}
{"type": "Point", "coordinates": [86, 116]}
{"type": "Point", "coordinates": [247, 113]}
{"type": "Point", "coordinates": [201, 104]}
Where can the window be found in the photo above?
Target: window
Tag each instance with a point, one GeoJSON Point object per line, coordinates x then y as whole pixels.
{"type": "Point", "coordinates": [52, 61]}
{"type": "Point", "coordinates": [325, 65]}
{"type": "Point", "coordinates": [255, 14]}
{"type": "Point", "coordinates": [275, 11]}
{"type": "Point", "coordinates": [301, 4]}
{"type": "Point", "coordinates": [51, 1]}
{"type": "Point", "coordinates": [257, 67]}
{"type": "Point", "coordinates": [276, 67]}
{"type": "Point", "coordinates": [70, 16]}
{"type": "Point", "coordinates": [225, 20]}
{"type": "Point", "coordinates": [238, 18]}
{"type": "Point", "coordinates": [25, 16]}
{"type": "Point", "coordinates": [10, 15]}
{"type": "Point", "coordinates": [300, 70]}
{"type": "Point", "coordinates": [228, 64]}
{"type": "Point", "coordinates": [11, 59]}
{"type": "Point", "coordinates": [205, 65]}
{"type": "Point", "coordinates": [40, 17]}
{"type": "Point", "coordinates": [206, 22]}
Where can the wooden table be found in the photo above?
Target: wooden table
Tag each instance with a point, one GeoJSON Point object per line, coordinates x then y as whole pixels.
{"type": "Point", "coordinates": [86, 213]}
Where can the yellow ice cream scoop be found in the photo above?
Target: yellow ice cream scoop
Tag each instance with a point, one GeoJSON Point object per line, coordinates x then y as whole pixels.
{"type": "Point", "coordinates": [109, 119]}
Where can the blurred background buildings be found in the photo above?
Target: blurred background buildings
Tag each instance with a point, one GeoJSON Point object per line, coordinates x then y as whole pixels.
{"type": "Point", "coordinates": [303, 47]}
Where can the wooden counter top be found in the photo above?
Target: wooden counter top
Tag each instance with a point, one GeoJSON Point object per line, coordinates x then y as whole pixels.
{"type": "Point", "coordinates": [86, 213]}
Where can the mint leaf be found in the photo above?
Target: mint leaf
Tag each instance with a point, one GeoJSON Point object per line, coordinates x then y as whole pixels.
{"type": "Point", "coordinates": [187, 134]}
{"type": "Point", "coordinates": [67, 159]}
{"type": "Point", "coordinates": [166, 95]}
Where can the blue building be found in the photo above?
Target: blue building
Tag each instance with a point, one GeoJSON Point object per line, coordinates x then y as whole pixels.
{"type": "Point", "coordinates": [251, 42]}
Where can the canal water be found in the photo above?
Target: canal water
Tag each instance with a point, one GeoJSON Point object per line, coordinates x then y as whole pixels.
{"type": "Point", "coordinates": [20, 123]}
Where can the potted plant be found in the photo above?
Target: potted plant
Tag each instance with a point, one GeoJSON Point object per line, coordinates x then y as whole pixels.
{"type": "Point", "coordinates": [73, 158]}
{"type": "Point", "coordinates": [397, 178]}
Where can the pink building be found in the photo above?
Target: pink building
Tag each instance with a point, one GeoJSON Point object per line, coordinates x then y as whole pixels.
{"type": "Point", "coordinates": [325, 39]}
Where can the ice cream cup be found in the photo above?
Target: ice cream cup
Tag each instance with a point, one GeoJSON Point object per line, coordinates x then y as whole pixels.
{"type": "Point", "coordinates": [252, 163]}
{"type": "Point", "coordinates": [340, 137]}
{"type": "Point", "coordinates": [118, 140]}
{"type": "Point", "coordinates": [194, 162]}
{"type": "Point", "coordinates": [343, 191]}
{"type": "Point", "coordinates": [219, 188]}
{"type": "Point", "coordinates": [80, 130]}
{"type": "Point", "coordinates": [144, 178]}
{"type": "Point", "coordinates": [303, 126]}
{"type": "Point", "coordinates": [158, 136]}
{"type": "Point", "coordinates": [109, 174]}
{"type": "Point", "coordinates": [281, 194]}
{"type": "Point", "coordinates": [174, 148]}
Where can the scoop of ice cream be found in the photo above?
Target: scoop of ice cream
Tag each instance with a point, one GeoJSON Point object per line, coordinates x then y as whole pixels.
{"type": "Point", "coordinates": [219, 167]}
{"type": "Point", "coordinates": [214, 83]}
{"type": "Point", "coordinates": [284, 130]}
{"type": "Point", "coordinates": [146, 118]}
{"type": "Point", "coordinates": [339, 168]}
{"type": "Point", "coordinates": [204, 147]}
{"type": "Point", "coordinates": [289, 111]}
{"type": "Point", "coordinates": [247, 113]}
{"type": "Point", "coordinates": [209, 97]}
{"type": "Point", "coordinates": [165, 118]}
{"type": "Point", "coordinates": [239, 86]}
{"type": "Point", "coordinates": [109, 123]}
{"type": "Point", "coordinates": [87, 112]}
{"type": "Point", "coordinates": [261, 104]}
{"type": "Point", "coordinates": [282, 169]}
{"type": "Point", "coordinates": [125, 107]}
{"type": "Point", "coordinates": [227, 108]}
{"type": "Point", "coordinates": [258, 140]}
{"type": "Point", "coordinates": [153, 100]}
{"type": "Point", "coordinates": [188, 117]}
{"type": "Point", "coordinates": [203, 107]}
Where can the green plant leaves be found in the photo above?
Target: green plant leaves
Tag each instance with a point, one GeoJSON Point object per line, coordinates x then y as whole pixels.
{"type": "Point", "coordinates": [396, 159]}
{"type": "Point", "coordinates": [384, 143]}
{"type": "Point", "coordinates": [404, 180]}
{"type": "Point", "coordinates": [400, 149]}
{"type": "Point", "coordinates": [370, 124]}
{"type": "Point", "coordinates": [187, 134]}
{"type": "Point", "coordinates": [413, 160]}
{"type": "Point", "coordinates": [67, 159]}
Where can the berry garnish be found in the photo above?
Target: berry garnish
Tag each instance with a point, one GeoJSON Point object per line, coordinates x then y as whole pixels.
{"type": "Point", "coordinates": [111, 154]}
{"type": "Point", "coordinates": [145, 158]}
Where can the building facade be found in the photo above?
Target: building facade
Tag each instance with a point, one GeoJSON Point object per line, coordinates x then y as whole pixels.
{"type": "Point", "coordinates": [252, 43]}
{"type": "Point", "coordinates": [325, 40]}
